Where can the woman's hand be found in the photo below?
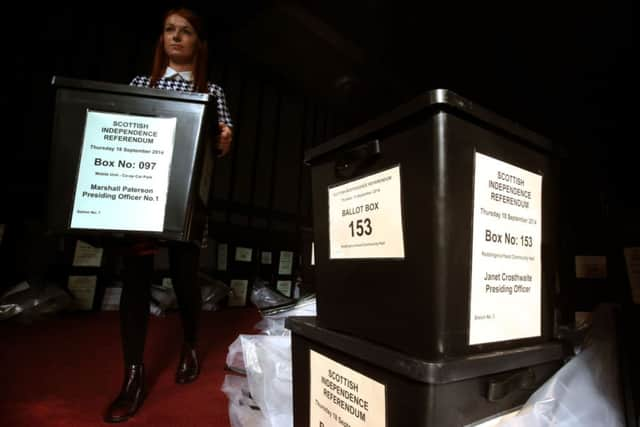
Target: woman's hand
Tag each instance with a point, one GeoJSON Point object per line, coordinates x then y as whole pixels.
{"type": "Point", "coordinates": [224, 141]}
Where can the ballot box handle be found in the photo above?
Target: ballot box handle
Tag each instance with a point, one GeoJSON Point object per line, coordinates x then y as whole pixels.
{"type": "Point", "coordinates": [351, 162]}
{"type": "Point", "coordinates": [522, 379]}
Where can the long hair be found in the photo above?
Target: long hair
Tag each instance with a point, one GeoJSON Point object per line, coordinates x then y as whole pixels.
{"type": "Point", "coordinates": [160, 59]}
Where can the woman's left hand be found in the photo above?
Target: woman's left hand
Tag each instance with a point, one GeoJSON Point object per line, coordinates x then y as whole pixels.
{"type": "Point", "coordinates": [224, 141]}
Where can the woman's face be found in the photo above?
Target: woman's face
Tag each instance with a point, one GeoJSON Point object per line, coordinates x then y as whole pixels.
{"type": "Point", "coordinates": [180, 40]}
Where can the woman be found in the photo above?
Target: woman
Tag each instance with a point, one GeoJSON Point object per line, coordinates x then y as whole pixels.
{"type": "Point", "coordinates": [180, 63]}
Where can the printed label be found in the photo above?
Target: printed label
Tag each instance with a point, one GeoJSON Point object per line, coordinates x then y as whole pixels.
{"type": "Point", "coordinates": [506, 268]}
{"type": "Point", "coordinates": [124, 172]}
{"type": "Point", "coordinates": [286, 263]}
{"type": "Point", "coordinates": [238, 297]}
{"type": "Point", "coordinates": [83, 289]}
{"type": "Point", "coordinates": [266, 258]}
{"type": "Point", "coordinates": [284, 287]}
{"type": "Point", "coordinates": [365, 217]}
{"type": "Point", "coordinates": [340, 396]}
{"type": "Point", "coordinates": [86, 255]}
{"type": "Point", "coordinates": [243, 254]}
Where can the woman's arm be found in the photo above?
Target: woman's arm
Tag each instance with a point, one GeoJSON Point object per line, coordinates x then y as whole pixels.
{"type": "Point", "coordinates": [224, 117]}
{"type": "Point", "coordinates": [224, 140]}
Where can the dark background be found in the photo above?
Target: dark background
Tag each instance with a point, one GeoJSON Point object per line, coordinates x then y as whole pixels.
{"type": "Point", "coordinates": [297, 73]}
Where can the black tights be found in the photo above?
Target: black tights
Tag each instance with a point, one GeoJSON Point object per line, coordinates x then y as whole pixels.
{"type": "Point", "coordinates": [136, 297]}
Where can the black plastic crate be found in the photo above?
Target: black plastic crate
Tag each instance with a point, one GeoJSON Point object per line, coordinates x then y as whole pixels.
{"type": "Point", "coordinates": [341, 380]}
{"type": "Point", "coordinates": [435, 230]}
{"type": "Point", "coordinates": [129, 161]}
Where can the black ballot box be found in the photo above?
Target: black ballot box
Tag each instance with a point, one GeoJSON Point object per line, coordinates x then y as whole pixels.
{"type": "Point", "coordinates": [342, 380]}
{"type": "Point", "coordinates": [435, 230]}
{"type": "Point", "coordinates": [130, 161]}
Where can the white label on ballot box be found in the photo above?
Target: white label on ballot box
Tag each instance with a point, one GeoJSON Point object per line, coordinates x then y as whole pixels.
{"type": "Point", "coordinates": [286, 262]}
{"type": "Point", "coordinates": [506, 269]}
{"type": "Point", "coordinates": [238, 296]}
{"type": "Point", "coordinates": [365, 217]}
{"type": "Point", "coordinates": [340, 396]}
{"type": "Point", "coordinates": [83, 289]}
{"type": "Point", "coordinates": [284, 287]}
{"type": "Point", "coordinates": [86, 255]}
{"type": "Point", "coordinates": [124, 172]}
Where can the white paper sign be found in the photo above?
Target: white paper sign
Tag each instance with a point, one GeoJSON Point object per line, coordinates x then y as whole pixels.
{"type": "Point", "coordinates": [222, 256]}
{"type": "Point", "coordinates": [505, 273]}
{"type": "Point", "coordinates": [632, 257]}
{"type": "Point", "coordinates": [266, 257]}
{"type": "Point", "coordinates": [591, 267]}
{"type": "Point", "coordinates": [243, 254]}
{"type": "Point", "coordinates": [124, 172]}
{"type": "Point", "coordinates": [286, 263]}
{"type": "Point", "coordinates": [111, 299]}
{"type": "Point", "coordinates": [340, 396]}
{"type": "Point", "coordinates": [86, 255]}
{"type": "Point", "coordinates": [365, 217]}
{"type": "Point", "coordinates": [238, 295]}
{"type": "Point", "coordinates": [284, 287]}
{"type": "Point", "coordinates": [83, 289]}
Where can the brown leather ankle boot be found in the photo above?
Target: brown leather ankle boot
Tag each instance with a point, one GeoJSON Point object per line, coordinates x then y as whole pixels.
{"type": "Point", "coordinates": [131, 396]}
{"type": "Point", "coordinates": [189, 367]}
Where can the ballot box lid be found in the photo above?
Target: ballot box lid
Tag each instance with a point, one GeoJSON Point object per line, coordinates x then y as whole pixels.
{"type": "Point", "coordinates": [97, 86]}
{"type": "Point", "coordinates": [430, 102]}
{"type": "Point", "coordinates": [421, 370]}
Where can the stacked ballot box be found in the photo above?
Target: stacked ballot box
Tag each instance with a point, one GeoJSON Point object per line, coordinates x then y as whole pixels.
{"type": "Point", "coordinates": [435, 245]}
{"type": "Point", "coordinates": [339, 380]}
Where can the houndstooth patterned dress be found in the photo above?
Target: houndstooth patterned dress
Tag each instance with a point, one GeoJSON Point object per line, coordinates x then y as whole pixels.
{"type": "Point", "coordinates": [182, 85]}
{"type": "Point", "coordinates": [224, 116]}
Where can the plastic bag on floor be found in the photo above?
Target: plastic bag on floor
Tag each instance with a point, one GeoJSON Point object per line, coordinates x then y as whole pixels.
{"type": "Point", "coordinates": [585, 392]}
{"type": "Point", "coordinates": [27, 303]}
{"type": "Point", "coordinates": [243, 410]}
{"type": "Point", "coordinates": [163, 299]}
{"type": "Point", "coordinates": [262, 296]}
{"type": "Point", "coordinates": [267, 362]}
{"type": "Point", "coordinates": [213, 292]}
{"type": "Point", "coordinates": [274, 318]}
{"type": "Point", "coordinates": [235, 360]}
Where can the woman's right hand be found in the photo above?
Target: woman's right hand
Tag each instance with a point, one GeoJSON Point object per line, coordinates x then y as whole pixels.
{"type": "Point", "coordinates": [224, 140]}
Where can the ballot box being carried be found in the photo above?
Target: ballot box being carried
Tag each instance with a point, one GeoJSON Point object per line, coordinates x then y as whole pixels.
{"type": "Point", "coordinates": [130, 161]}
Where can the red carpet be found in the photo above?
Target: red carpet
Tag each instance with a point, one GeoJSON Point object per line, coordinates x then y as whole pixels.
{"type": "Point", "coordinates": [65, 370]}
